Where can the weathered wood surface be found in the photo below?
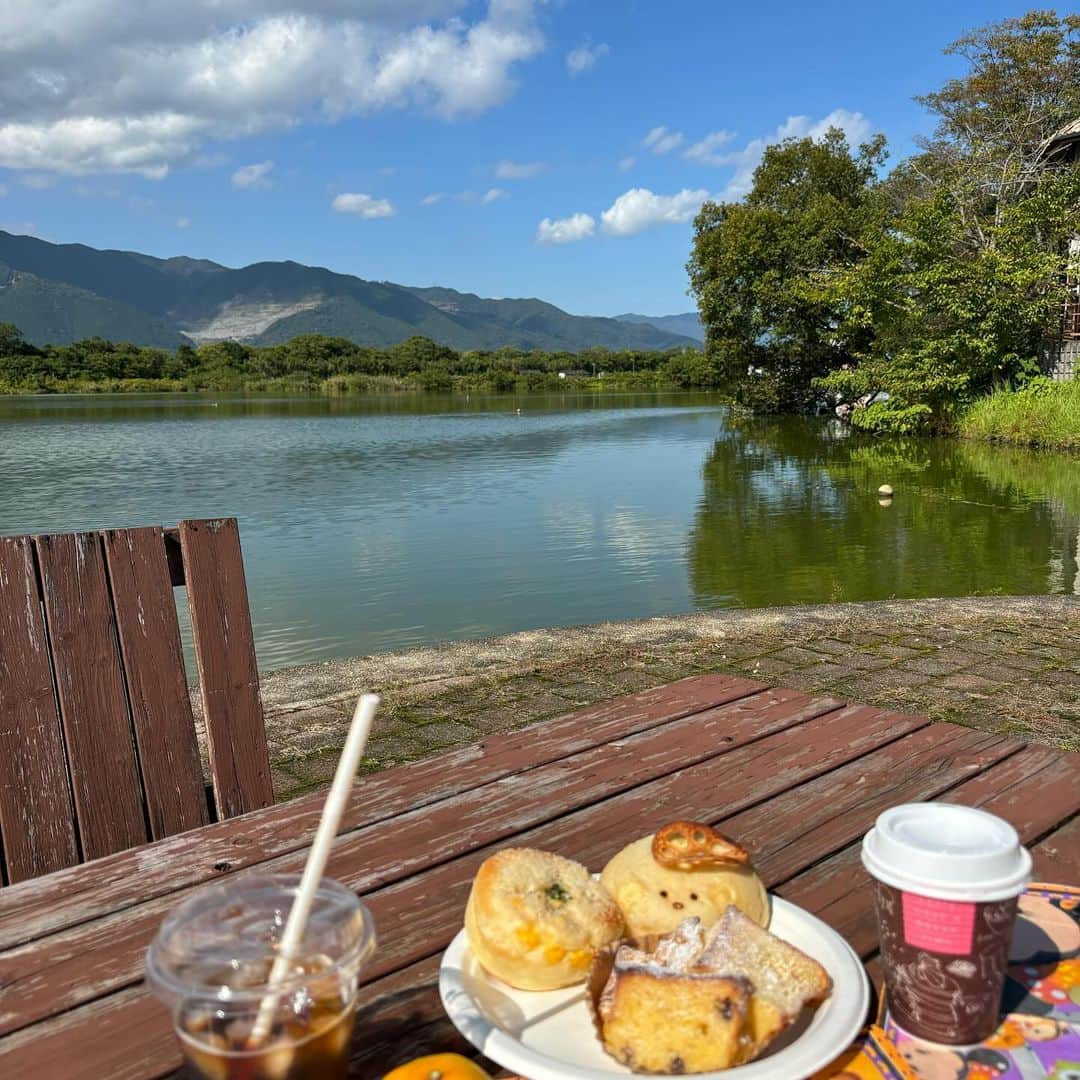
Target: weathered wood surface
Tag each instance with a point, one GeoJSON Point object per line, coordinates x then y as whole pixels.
{"type": "Point", "coordinates": [40, 907]}
{"type": "Point", "coordinates": [98, 748]}
{"type": "Point", "coordinates": [797, 779]}
{"type": "Point", "coordinates": [228, 677]}
{"type": "Point", "coordinates": [153, 660]}
{"type": "Point", "coordinates": [37, 818]}
{"type": "Point", "coordinates": [90, 688]}
{"type": "Point", "coordinates": [95, 954]}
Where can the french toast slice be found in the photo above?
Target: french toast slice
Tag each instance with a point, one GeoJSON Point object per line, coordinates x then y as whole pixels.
{"type": "Point", "coordinates": [784, 978]}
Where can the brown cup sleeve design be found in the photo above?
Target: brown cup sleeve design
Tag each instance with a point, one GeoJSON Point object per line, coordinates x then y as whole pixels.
{"type": "Point", "coordinates": [949, 997]}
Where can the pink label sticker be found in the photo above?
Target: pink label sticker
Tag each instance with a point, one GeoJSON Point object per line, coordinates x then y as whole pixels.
{"type": "Point", "coordinates": [941, 926]}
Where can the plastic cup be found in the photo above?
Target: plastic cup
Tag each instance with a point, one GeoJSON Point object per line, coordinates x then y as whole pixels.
{"type": "Point", "coordinates": [947, 879]}
{"type": "Point", "coordinates": [210, 962]}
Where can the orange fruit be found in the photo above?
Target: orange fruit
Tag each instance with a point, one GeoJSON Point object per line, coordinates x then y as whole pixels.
{"type": "Point", "coordinates": [438, 1067]}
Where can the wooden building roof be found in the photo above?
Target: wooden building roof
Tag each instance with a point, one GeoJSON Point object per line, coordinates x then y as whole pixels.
{"type": "Point", "coordinates": [1064, 145]}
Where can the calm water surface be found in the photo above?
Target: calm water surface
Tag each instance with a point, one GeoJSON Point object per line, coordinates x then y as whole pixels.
{"type": "Point", "coordinates": [374, 524]}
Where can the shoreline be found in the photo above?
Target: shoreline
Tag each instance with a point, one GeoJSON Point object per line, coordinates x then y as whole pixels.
{"type": "Point", "coordinates": [402, 390]}
{"type": "Point", "coordinates": [1004, 664]}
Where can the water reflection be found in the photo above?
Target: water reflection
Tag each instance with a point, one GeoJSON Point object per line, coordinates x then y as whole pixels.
{"type": "Point", "coordinates": [790, 514]}
{"type": "Point", "coordinates": [380, 523]}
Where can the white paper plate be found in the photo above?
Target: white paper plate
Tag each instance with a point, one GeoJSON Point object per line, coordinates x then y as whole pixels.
{"type": "Point", "coordinates": [550, 1035]}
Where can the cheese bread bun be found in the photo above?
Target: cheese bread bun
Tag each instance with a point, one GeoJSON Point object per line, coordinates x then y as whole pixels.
{"type": "Point", "coordinates": [536, 920]}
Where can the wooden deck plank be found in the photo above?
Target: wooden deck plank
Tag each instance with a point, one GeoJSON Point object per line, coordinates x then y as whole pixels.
{"type": "Point", "coordinates": [228, 676]}
{"type": "Point", "coordinates": [37, 817]}
{"type": "Point", "coordinates": [831, 812]}
{"type": "Point", "coordinates": [1057, 857]}
{"type": "Point", "coordinates": [161, 715]}
{"type": "Point", "coordinates": [61, 900]}
{"type": "Point", "coordinates": [90, 688]}
{"type": "Point", "coordinates": [68, 968]}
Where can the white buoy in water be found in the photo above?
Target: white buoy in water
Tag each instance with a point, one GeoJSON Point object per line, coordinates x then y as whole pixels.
{"type": "Point", "coordinates": [885, 490]}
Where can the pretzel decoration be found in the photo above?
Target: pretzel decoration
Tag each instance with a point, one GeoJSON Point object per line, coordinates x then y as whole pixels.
{"type": "Point", "coordinates": [690, 845]}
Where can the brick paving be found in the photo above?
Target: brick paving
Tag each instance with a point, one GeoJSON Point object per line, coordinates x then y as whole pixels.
{"type": "Point", "coordinates": [1008, 665]}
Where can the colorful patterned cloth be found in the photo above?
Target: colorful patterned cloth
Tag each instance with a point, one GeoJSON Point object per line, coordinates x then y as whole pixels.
{"type": "Point", "coordinates": [1039, 1036]}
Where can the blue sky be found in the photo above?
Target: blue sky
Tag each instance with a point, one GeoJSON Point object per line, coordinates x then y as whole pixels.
{"type": "Point", "coordinates": [510, 148]}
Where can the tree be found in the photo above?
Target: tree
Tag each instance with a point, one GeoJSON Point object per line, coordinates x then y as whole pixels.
{"type": "Point", "coordinates": [761, 269]}
{"type": "Point", "coordinates": [963, 286]}
{"type": "Point", "coordinates": [12, 342]}
{"type": "Point", "coordinates": [1022, 86]}
{"type": "Point", "coordinates": [952, 320]}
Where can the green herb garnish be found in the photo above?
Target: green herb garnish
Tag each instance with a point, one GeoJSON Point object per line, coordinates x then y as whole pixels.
{"type": "Point", "coordinates": [557, 893]}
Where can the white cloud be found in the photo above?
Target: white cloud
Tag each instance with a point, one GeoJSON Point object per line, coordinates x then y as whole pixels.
{"type": "Point", "coordinates": [585, 57]}
{"type": "Point", "coordinates": [366, 206]}
{"type": "Point", "coordinates": [183, 223]}
{"type": "Point", "coordinates": [706, 150]}
{"type": "Point", "coordinates": [515, 170]}
{"type": "Point", "coordinates": [433, 198]}
{"type": "Point", "coordinates": [662, 141]}
{"type": "Point", "coordinates": [388, 170]}
{"type": "Point", "coordinates": [854, 125]}
{"type": "Point", "coordinates": [627, 162]}
{"type": "Point", "coordinates": [640, 208]}
{"type": "Point", "coordinates": [494, 195]}
{"type": "Point", "coordinates": [19, 228]}
{"type": "Point", "coordinates": [565, 230]}
{"type": "Point", "coordinates": [248, 177]}
{"type": "Point", "coordinates": [138, 86]}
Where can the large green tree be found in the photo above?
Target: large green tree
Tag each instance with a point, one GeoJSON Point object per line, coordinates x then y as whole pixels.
{"type": "Point", "coordinates": [761, 269]}
{"type": "Point", "coordinates": [960, 290]}
{"type": "Point", "coordinates": [908, 297]}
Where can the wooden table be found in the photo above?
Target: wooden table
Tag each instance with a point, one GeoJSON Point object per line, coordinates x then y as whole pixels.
{"type": "Point", "coordinates": [797, 779]}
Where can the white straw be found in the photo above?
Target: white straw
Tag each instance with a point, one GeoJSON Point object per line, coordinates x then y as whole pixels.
{"type": "Point", "coordinates": [316, 861]}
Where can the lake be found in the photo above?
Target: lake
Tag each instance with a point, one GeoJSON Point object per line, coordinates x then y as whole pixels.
{"type": "Point", "coordinates": [371, 524]}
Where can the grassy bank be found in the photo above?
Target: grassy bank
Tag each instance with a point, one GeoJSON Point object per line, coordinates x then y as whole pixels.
{"type": "Point", "coordinates": [345, 385]}
{"type": "Point", "coordinates": [1044, 414]}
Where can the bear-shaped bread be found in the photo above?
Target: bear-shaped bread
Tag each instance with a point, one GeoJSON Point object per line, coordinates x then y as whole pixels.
{"type": "Point", "coordinates": [655, 898]}
{"type": "Point", "coordinates": [536, 920]}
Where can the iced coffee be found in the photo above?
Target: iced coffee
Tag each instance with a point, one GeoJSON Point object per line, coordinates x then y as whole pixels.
{"type": "Point", "coordinates": [211, 964]}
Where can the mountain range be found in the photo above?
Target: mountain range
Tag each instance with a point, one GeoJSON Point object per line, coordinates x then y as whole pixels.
{"type": "Point", "coordinates": [57, 293]}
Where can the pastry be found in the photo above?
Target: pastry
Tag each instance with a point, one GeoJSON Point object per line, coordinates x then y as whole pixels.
{"type": "Point", "coordinates": [701, 873]}
{"type": "Point", "coordinates": [536, 920]}
{"type": "Point", "coordinates": [701, 1000]}
{"type": "Point", "coordinates": [785, 979]}
{"type": "Point", "coordinates": [655, 1018]}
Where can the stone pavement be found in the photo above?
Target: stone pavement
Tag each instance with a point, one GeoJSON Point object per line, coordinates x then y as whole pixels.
{"type": "Point", "coordinates": [1006, 664]}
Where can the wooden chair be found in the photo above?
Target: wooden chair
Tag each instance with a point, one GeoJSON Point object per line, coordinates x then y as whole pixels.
{"type": "Point", "coordinates": [97, 741]}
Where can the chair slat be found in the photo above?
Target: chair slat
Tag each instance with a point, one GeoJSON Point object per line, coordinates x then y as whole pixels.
{"type": "Point", "coordinates": [157, 686]}
{"type": "Point", "coordinates": [37, 819]}
{"type": "Point", "coordinates": [90, 689]}
{"type": "Point", "coordinates": [228, 677]}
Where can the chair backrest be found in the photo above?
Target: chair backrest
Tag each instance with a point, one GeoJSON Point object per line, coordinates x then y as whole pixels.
{"type": "Point", "coordinates": [98, 750]}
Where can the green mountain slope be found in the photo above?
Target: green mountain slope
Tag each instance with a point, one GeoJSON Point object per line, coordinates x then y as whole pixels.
{"type": "Point", "coordinates": [536, 324]}
{"type": "Point", "coordinates": [688, 324]}
{"type": "Point", "coordinates": [61, 292]}
{"type": "Point", "coordinates": [50, 311]}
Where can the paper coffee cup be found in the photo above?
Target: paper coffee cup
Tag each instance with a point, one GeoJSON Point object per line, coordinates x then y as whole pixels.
{"type": "Point", "coordinates": [947, 879]}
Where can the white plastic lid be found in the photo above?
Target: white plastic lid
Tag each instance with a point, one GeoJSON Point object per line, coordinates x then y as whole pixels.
{"type": "Point", "coordinates": [947, 852]}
